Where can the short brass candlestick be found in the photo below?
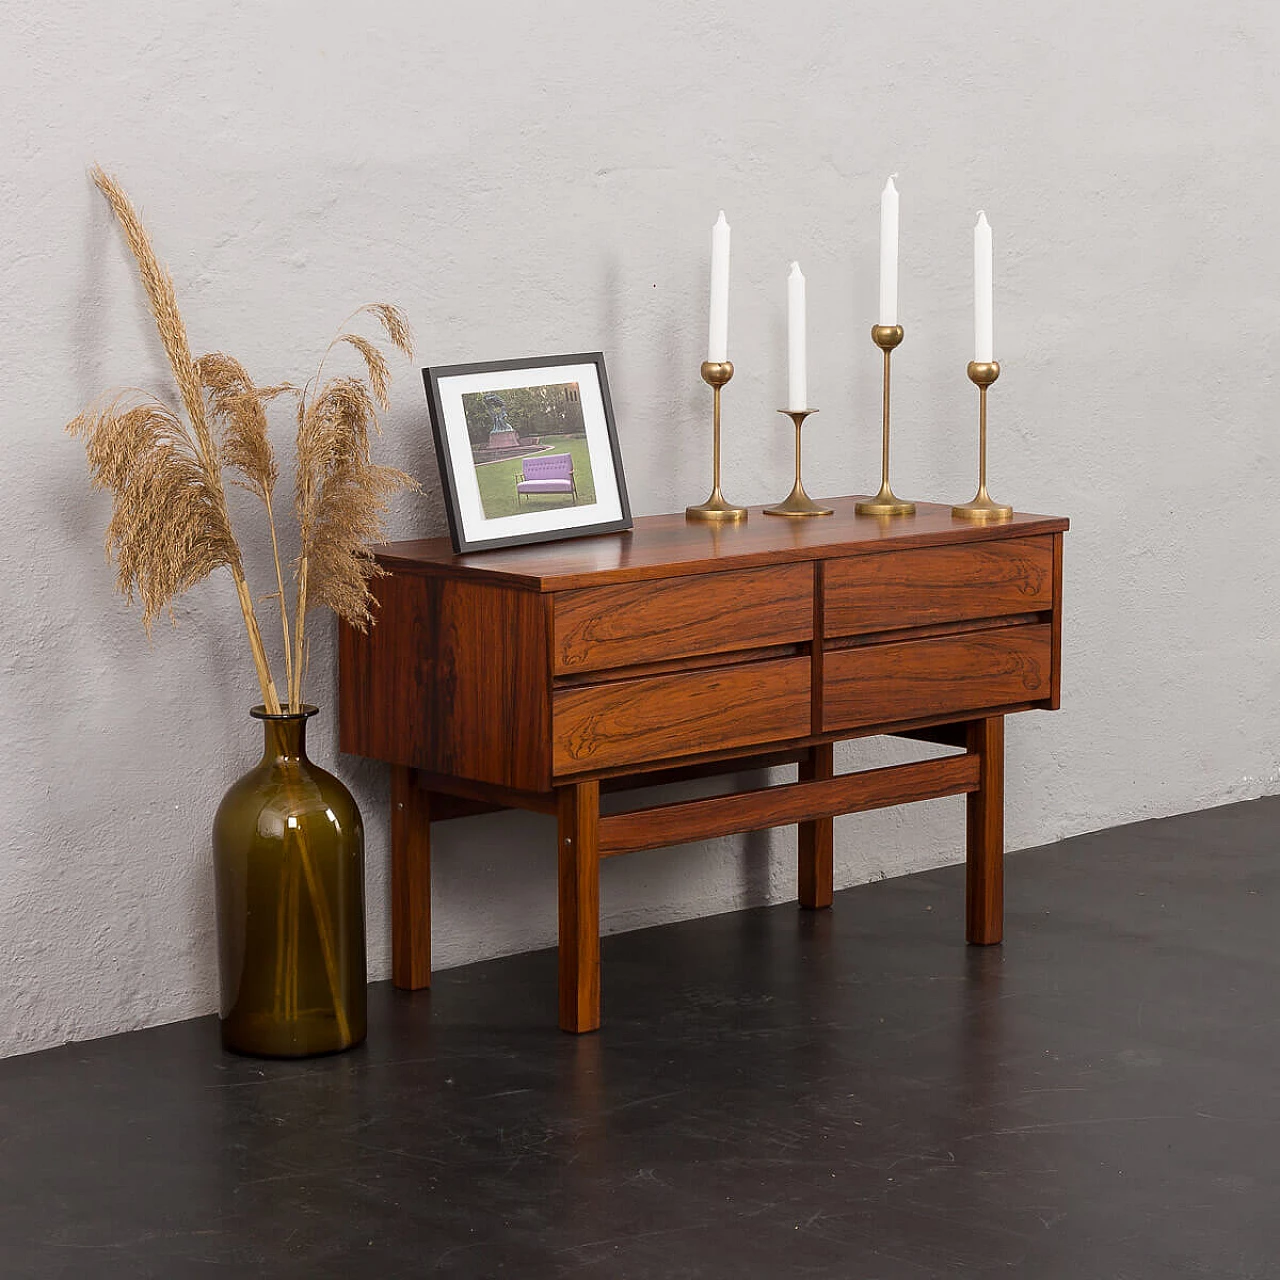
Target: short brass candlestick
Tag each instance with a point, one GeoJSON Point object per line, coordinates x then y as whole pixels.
{"type": "Point", "coordinates": [885, 503]}
{"type": "Point", "coordinates": [715, 373]}
{"type": "Point", "coordinates": [797, 503]}
{"type": "Point", "coordinates": [982, 374]}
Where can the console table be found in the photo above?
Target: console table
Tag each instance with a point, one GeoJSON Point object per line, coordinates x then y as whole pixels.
{"type": "Point", "coordinates": [531, 678]}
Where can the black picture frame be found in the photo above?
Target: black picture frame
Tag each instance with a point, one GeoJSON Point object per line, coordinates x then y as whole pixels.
{"type": "Point", "coordinates": [466, 504]}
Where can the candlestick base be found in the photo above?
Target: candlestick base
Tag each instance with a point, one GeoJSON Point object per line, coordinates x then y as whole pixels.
{"type": "Point", "coordinates": [797, 504]}
{"type": "Point", "coordinates": [885, 503]}
{"type": "Point", "coordinates": [982, 510]}
{"type": "Point", "coordinates": [716, 510]}
{"type": "Point", "coordinates": [716, 373]}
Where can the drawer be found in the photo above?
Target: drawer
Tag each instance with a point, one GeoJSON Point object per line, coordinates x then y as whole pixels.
{"type": "Point", "coordinates": [917, 679]}
{"type": "Point", "coordinates": [937, 584]}
{"type": "Point", "coordinates": [627, 722]}
{"type": "Point", "coordinates": [633, 623]}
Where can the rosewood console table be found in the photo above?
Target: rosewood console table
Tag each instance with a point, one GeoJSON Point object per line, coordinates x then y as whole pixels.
{"type": "Point", "coordinates": [532, 677]}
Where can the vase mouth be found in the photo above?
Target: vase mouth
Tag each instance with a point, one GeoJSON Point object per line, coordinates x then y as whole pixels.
{"type": "Point", "coordinates": [261, 713]}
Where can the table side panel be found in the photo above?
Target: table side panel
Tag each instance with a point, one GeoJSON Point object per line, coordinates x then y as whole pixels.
{"type": "Point", "coordinates": [1055, 697]}
{"type": "Point", "coordinates": [452, 679]}
{"type": "Point", "coordinates": [669, 717]}
{"type": "Point", "coordinates": [631, 623]}
{"type": "Point", "coordinates": [965, 673]}
{"type": "Point", "coordinates": [930, 585]}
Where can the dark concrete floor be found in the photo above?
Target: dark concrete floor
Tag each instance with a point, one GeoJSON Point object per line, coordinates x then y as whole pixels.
{"type": "Point", "coordinates": [852, 1093]}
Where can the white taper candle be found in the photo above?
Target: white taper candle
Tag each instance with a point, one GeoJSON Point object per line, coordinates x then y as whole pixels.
{"type": "Point", "coordinates": [797, 381]}
{"type": "Point", "coordinates": [983, 344]}
{"type": "Point", "coordinates": [889, 253]}
{"type": "Point", "coordinates": [718, 335]}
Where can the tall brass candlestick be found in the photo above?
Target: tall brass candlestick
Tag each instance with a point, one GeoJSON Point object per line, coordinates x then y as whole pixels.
{"type": "Point", "coordinates": [715, 373]}
{"type": "Point", "coordinates": [885, 503]}
{"type": "Point", "coordinates": [797, 503]}
{"type": "Point", "coordinates": [982, 374]}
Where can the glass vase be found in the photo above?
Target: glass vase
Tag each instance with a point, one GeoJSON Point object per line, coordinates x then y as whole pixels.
{"type": "Point", "coordinates": [288, 849]}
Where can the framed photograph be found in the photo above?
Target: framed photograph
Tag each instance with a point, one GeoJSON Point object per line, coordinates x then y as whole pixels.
{"type": "Point", "coordinates": [528, 450]}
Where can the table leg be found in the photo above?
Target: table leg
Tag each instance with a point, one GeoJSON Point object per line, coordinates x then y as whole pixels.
{"type": "Point", "coordinates": [410, 880]}
{"type": "Point", "coordinates": [984, 879]}
{"type": "Point", "coordinates": [816, 845]}
{"type": "Point", "coordinates": [579, 856]}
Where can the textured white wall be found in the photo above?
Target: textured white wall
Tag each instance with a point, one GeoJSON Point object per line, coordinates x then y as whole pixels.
{"type": "Point", "coordinates": [530, 179]}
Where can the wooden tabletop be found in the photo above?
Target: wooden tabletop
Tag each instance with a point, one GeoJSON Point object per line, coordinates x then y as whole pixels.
{"type": "Point", "coordinates": [669, 546]}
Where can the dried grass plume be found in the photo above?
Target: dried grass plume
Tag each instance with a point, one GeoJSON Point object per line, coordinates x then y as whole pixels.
{"type": "Point", "coordinates": [170, 526]}
{"type": "Point", "coordinates": [340, 495]}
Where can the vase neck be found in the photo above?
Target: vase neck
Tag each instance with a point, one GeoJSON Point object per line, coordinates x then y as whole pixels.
{"type": "Point", "coordinates": [284, 737]}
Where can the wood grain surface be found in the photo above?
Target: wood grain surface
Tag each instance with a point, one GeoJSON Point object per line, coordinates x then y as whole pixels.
{"type": "Point", "coordinates": [451, 679]}
{"type": "Point", "coordinates": [933, 585]}
{"type": "Point", "coordinates": [578, 830]}
{"type": "Point", "coordinates": [777, 806]}
{"type": "Point", "coordinates": [951, 675]}
{"type": "Point", "coordinates": [815, 837]}
{"type": "Point", "coordinates": [984, 835]}
{"type": "Point", "coordinates": [601, 627]}
{"type": "Point", "coordinates": [671, 546]}
{"type": "Point", "coordinates": [410, 880]}
{"type": "Point", "coordinates": [1055, 698]}
{"type": "Point", "coordinates": [669, 717]}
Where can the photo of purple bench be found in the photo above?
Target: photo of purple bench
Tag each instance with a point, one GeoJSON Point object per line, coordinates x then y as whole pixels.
{"type": "Point", "coordinates": [550, 473]}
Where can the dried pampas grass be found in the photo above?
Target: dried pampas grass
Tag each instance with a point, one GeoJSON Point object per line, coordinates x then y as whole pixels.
{"type": "Point", "coordinates": [341, 496]}
{"type": "Point", "coordinates": [202, 550]}
{"type": "Point", "coordinates": [240, 408]}
{"type": "Point", "coordinates": [170, 526]}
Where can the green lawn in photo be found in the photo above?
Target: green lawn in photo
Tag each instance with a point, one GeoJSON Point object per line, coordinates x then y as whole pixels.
{"type": "Point", "coordinates": [497, 481]}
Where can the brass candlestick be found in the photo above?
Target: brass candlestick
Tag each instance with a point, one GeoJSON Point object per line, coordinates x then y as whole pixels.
{"type": "Point", "coordinates": [982, 374]}
{"type": "Point", "coordinates": [715, 373]}
{"type": "Point", "coordinates": [797, 503]}
{"type": "Point", "coordinates": [885, 503]}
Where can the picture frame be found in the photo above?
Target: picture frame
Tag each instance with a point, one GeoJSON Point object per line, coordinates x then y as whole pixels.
{"type": "Point", "coordinates": [528, 450]}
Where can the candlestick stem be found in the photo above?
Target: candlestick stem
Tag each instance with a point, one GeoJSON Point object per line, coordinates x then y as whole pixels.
{"type": "Point", "coordinates": [982, 509]}
{"type": "Point", "coordinates": [884, 423]}
{"type": "Point", "coordinates": [715, 373]}
{"type": "Point", "coordinates": [797, 504]}
{"type": "Point", "coordinates": [885, 503]}
{"type": "Point", "coordinates": [982, 439]}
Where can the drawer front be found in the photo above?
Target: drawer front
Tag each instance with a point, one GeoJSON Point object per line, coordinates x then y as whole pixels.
{"type": "Point", "coordinates": [626, 722]}
{"type": "Point", "coordinates": [937, 584]}
{"type": "Point", "coordinates": [918, 679]}
{"type": "Point", "coordinates": [633, 623]}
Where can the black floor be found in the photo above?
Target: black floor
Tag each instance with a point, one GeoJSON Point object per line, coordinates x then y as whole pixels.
{"type": "Point", "coordinates": [852, 1093]}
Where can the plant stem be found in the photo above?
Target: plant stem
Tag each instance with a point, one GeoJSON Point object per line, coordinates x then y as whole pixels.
{"type": "Point", "coordinates": [284, 610]}
{"type": "Point", "coordinates": [292, 950]}
{"type": "Point", "coordinates": [282, 955]}
{"type": "Point", "coordinates": [324, 927]}
{"type": "Point", "coordinates": [299, 630]}
{"type": "Point", "coordinates": [270, 699]}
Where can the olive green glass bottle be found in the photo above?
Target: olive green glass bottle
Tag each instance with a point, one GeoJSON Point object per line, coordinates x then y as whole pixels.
{"type": "Point", "coordinates": [288, 849]}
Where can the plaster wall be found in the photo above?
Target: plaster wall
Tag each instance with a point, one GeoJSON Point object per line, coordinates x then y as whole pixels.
{"type": "Point", "coordinates": [529, 179]}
